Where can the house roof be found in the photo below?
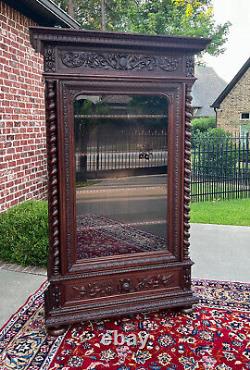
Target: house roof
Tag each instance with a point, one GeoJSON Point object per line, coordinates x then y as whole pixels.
{"type": "Point", "coordinates": [231, 84]}
{"type": "Point", "coordinates": [205, 89]}
{"type": "Point", "coordinates": [44, 12]}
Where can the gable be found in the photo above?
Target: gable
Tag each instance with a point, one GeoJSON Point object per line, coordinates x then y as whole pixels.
{"type": "Point", "coordinates": [238, 97]}
{"type": "Point", "coordinates": [231, 84]}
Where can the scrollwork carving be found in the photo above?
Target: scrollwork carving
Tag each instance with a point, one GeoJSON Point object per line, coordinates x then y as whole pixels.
{"type": "Point", "coordinates": [119, 61]}
{"type": "Point", "coordinates": [93, 290]}
{"type": "Point", "coordinates": [190, 66]}
{"type": "Point", "coordinates": [177, 144]}
{"type": "Point", "coordinates": [154, 282]}
{"type": "Point", "coordinates": [187, 278]}
{"type": "Point", "coordinates": [108, 288]}
{"type": "Point", "coordinates": [187, 171]}
{"type": "Point", "coordinates": [53, 177]}
{"type": "Point", "coordinates": [68, 200]}
{"type": "Point", "coordinates": [56, 297]}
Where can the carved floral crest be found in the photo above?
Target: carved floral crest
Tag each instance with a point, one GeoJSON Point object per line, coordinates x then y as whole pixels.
{"type": "Point", "coordinates": [119, 61]}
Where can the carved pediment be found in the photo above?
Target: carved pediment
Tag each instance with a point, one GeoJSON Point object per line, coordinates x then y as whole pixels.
{"type": "Point", "coordinates": [71, 61]}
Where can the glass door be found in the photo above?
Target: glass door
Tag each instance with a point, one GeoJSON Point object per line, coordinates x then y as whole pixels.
{"type": "Point", "coordinates": [121, 154]}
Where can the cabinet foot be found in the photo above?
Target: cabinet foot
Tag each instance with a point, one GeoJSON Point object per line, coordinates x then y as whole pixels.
{"type": "Point", "coordinates": [55, 331]}
{"type": "Point", "coordinates": [187, 310]}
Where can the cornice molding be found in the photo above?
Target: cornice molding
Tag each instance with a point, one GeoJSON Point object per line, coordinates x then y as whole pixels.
{"type": "Point", "coordinates": [43, 35]}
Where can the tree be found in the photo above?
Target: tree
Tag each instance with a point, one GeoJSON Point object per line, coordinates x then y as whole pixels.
{"type": "Point", "coordinates": [71, 10]}
{"type": "Point", "coordinates": [169, 17]}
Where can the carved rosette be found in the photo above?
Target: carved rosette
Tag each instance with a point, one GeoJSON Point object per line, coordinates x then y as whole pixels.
{"type": "Point", "coordinates": [53, 177]}
{"type": "Point", "coordinates": [187, 171]}
{"type": "Point", "coordinates": [49, 59]}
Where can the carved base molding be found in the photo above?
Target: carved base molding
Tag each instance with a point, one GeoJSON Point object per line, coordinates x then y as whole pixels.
{"type": "Point", "coordinates": [78, 300]}
{"type": "Point", "coordinates": [167, 301]}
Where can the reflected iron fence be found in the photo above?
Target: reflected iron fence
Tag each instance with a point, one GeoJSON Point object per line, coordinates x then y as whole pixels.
{"type": "Point", "coordinates": [220, 165]}
{"type": "Point", "coordinates": [220, 168]}
{"type": "Point", "coordinates": [142, 151]}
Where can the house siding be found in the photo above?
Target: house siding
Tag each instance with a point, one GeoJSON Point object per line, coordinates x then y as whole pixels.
{"type": "Point", "coordinates": [236, 102]}
{"type": "Point", "coordinates": [22, 114]}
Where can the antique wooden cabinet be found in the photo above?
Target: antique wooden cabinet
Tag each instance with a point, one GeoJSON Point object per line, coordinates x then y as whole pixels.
{"type": "Point", "coordinates": [118, 136]}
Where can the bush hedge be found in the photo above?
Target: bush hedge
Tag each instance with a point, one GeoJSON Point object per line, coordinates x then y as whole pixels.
{"type": "Point", "coordinates": [217, 154]}
{"type": "Point", "coordinates": [203, 124]}
{"type": "Point", "coordinates": [24, 234]}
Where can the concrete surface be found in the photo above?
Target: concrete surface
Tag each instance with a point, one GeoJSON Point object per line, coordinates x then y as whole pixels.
{"type": "Point", "coordinates": [15, 288]}
{"type": "Point", "coordinates": [219, 252]}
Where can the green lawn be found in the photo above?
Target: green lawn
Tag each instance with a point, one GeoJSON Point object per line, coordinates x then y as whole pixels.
{"type": "Point", "coordinates": [222, 212]}
{"type": "Point", "coordinates": [209, 191]}
{"type": "Point", "coordinates": [24, 228]}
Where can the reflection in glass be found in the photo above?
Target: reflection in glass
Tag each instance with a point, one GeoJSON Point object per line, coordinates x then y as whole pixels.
{"type": "Point", "coordinates": [121, 174]}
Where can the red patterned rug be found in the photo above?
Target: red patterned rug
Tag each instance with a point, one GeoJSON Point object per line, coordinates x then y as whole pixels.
{"type": "Point", "coordinates": [214, 336]}
{"type": "Point", "coordinates": [99, 236]}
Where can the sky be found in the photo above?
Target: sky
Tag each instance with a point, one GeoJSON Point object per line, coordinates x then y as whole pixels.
{"type": "Point", "coordinates": [238, 44]}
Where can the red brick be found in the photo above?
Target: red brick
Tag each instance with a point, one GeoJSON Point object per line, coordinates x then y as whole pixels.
{"type": "Point", "coordinates": [22, 112]}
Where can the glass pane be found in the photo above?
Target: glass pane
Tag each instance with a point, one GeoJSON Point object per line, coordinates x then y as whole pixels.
{"type": "Point", "coordinates": [121, 174]}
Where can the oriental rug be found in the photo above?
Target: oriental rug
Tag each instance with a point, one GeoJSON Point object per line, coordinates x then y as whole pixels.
{"type": "Point", "coordinates": [99, 236]}
{"type": "Point", "coordinates": [214, 336]}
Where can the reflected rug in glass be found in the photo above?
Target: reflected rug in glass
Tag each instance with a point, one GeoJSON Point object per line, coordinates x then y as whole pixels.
{"type": "Point", "coordinates": [214, 336]}
{"type": "Point", "coordinates": [99, 236]}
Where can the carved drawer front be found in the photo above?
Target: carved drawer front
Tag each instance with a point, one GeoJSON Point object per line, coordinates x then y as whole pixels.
{"type": "Point", "coordinates": [132, 283]}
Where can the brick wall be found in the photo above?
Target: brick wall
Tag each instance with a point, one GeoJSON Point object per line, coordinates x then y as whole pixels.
{"type": "Point", "coordinates": [22, 113]}
{"type": "Point", "coordinates": [236, 102]}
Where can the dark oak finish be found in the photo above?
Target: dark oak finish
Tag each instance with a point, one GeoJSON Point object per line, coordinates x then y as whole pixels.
{"type": "Point", "coordinates": [106, 63]}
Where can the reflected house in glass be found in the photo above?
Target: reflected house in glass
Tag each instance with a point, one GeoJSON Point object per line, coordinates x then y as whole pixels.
{"type": "Point", "coordinates": [118, 136]}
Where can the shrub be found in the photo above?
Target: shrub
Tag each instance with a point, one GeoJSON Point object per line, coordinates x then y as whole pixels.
{"type": "Point", "coordinates": [203, 124]}
{"type": "Point", "coordinates": [200, 127]}
{"type": "Point", "coordinates": [24, 234]}
{"type": "Point", "coordinates": [216, 133]}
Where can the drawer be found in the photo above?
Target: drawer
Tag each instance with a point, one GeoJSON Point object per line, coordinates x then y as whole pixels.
{"type": "Point", "coordinates": [120, 284]}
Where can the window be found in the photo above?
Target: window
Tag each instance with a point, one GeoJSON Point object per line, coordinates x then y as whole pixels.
{"type": "Point", "coordinates": [245, 115]}
{"type": "Point", "coordinates": [244, 130]}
